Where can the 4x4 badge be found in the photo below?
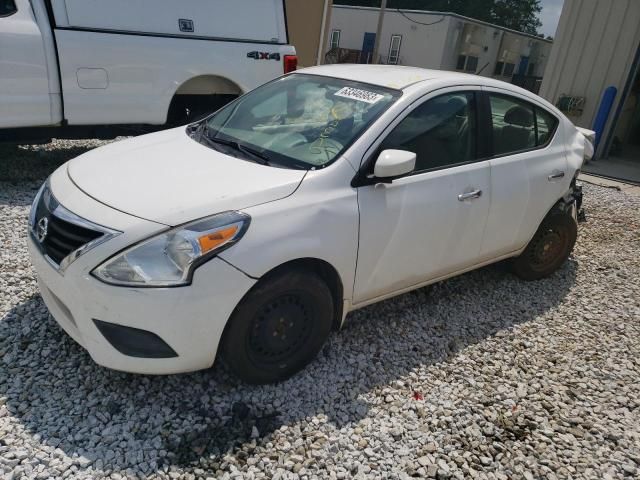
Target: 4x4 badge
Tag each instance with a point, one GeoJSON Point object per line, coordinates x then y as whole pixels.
{"type": "Point", "coordinates": [42, 229]}
{"type": "Point", "coordinates": [263, 56]}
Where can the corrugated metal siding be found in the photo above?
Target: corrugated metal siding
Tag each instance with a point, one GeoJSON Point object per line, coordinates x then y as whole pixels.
{"type": "Point", "coordinates": [594, 48]}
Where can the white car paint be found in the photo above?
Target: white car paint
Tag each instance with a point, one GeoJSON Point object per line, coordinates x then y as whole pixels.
{"type": "Point", "coordinates": [521, 191]}
{"type": "Point", "coordinates": [145, 72]}
{"type": "Point", "coordinates": [382, 239]}
{"type": "Point", "coordinates": [118, 64]}
{"type": "Point", "coordinates": [24, 84]}
{"type": "Point", "coordinates": [172, 158]}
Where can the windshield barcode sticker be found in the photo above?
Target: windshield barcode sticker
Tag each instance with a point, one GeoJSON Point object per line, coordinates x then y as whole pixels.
{"type": "Point", "coordinates": [360, 95]}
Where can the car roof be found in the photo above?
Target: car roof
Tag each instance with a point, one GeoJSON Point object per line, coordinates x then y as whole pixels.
{"type": "Point", "coordinates": [398, 77]}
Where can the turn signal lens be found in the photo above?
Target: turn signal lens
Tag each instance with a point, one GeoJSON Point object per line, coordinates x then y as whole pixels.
{"type": "Point", "coordinates": [214, 240]}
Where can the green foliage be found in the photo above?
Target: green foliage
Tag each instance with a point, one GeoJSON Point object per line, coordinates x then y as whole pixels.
{"type": "Point", "coordinates": [521, 15]}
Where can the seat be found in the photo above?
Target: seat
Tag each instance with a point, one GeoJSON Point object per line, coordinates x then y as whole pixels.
{"type": "Point", "coordinates": [518, 132]}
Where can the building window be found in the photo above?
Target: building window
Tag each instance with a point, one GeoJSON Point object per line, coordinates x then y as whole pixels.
{"type": "Point", "coordinates": [394, 49]}
{"type": "Point", "coordinates": [467, 63]}
{"type": "Point", "coordinates": [472, 64]}
{"type": "Point", "coordinates": [462, 60]}
{"type": "Point", "coordinates": [7, 7]}
{"type": "Point", "coordinates": [335, 39]}
{"type": "Point", "coordinates": [531, 70]}
{"type": "Point", "coordinates": [509, 68]}
{"type": "Point", "coordinates": [499, 68]}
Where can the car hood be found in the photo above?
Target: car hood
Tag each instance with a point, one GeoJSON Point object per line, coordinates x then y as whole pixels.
{"type": "Point", "coordinates": [169, 178]}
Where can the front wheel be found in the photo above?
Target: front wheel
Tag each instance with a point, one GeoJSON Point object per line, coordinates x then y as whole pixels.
{"type": "Point", "coordinates": [550, 247]}
{"type": "Point", "coordinates": [279, 327]}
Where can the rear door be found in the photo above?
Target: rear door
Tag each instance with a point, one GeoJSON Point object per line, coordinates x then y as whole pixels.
{"type": "Point", "coordinates": [528, 169]}
{"type": "Point", "coordinates": [431, 222]}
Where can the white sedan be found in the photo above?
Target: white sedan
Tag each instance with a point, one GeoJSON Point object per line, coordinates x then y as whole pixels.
{"type": "Point", "coordinates": [254, 232]}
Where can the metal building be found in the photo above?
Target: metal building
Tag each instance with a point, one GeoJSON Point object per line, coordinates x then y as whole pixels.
{"type": "Point", "coordinates": [445, 41]}
{"type": "Point", "coordinates": [308, 25]}
{"type": "Point", "coordinates": [593, 76]}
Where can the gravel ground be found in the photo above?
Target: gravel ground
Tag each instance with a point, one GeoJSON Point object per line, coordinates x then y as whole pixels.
{"type": "Point", "coordinates": [481, 376]}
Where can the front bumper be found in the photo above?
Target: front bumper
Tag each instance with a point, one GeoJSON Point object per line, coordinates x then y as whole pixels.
{"type": "Point", "coordinates": [190, 320]}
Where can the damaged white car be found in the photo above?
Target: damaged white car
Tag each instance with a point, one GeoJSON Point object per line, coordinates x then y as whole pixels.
{"type": "Point", "coordinates": [254, 232]}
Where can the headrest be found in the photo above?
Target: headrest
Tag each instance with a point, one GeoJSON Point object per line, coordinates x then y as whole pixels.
{"type": "Point", "coordinates": [520, 116]}
{"type": "Point", "coordinates": [457, 105]}
{"type": "Point", "coordinates": [447, 111]}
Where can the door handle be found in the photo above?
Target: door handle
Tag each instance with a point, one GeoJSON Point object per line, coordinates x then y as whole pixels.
{"type": "Point", "coordinates": [555, 176]}
{"type": "Point", "coordinates": [470, 195]}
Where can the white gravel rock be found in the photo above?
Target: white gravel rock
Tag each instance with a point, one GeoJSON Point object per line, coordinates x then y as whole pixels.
{"type": "Point", "coordinates": [481, 376]}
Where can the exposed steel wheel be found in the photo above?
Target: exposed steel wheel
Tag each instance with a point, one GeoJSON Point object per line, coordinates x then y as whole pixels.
{"type": "Point", "coordinates": [550, 247]}
{"type": "Point", "coordinates": [279, 327]}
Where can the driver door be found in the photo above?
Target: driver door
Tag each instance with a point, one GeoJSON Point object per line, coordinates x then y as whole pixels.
{"type": "Point", "coordinates": [431, 222]}
{"type": "Point", "coordinates": [24, 81]}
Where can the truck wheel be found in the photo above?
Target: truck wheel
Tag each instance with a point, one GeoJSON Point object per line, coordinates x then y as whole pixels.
{"type": "Point", "coordinates": [550, 247]}
{"type": "Point", "coordinates": [279, 327]}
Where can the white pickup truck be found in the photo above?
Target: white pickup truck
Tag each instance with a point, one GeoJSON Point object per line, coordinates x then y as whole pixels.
{"type": "Point", "coordinates": [78, 68]}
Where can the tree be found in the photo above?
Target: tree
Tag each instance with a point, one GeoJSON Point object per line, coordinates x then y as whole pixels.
{"type": "Point", "coordinates": [521, 15]}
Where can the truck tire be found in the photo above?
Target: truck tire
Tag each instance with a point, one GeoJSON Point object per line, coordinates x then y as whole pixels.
{"type": "Point", "coordinates": [550, 247]}
{"type": "Point", "coordinates": [279, 327]}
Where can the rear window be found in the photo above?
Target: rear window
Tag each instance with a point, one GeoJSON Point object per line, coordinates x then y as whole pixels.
{"type": "Point", "coordinates": [519, 125]}
{"type": "Point", "coordinates": [513, 124]}
{"type": "Point", "coordinates": [7, 7]}
{"type": "Point", "coordinates": [546, 124]}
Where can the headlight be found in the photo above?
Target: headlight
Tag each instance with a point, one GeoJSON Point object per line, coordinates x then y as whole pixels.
{"type": "Point", "coordinates": [168, 259]}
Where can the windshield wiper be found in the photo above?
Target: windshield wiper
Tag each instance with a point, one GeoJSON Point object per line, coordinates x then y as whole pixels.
{"type": "Point", "coordinates": [261, 158]}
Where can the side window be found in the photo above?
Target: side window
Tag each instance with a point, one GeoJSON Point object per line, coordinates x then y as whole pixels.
{"type": "Point", "coordinates": [7, 7]}
{"type": "Point", "coordinates": [513, 124]}
{"type": "Point", "coordinates": [546, 124]}
{"type": "Point", "coordinates": [472, 64]}
{"type": "Point", "coordinates": [441, 131]}
{"type": "Point", "coordinates": [509, 68]}
{"type": "Point", "coordinates": [467, 63]}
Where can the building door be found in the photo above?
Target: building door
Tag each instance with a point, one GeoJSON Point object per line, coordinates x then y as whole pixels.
{"type": "Point", "coordinates": [524, 64]}
{"type": "Point", "coordinates": [368, 44]}
{"type": "Point", "coordinates": [620, 157]}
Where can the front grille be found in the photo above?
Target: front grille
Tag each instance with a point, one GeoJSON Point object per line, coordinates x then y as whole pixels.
{"type": "Point", "coordinates": [64, 237]}
{"type": "Point", "coordinates": [56, 236]}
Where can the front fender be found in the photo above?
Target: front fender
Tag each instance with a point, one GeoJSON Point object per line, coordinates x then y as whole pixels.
{"type": "Point", "coordinates": [319, 221]}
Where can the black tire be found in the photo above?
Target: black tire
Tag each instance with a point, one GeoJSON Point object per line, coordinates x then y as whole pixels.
{"type": "Point", "coordinates": [550, 247]}
{"type": "Point", "coordinates": [279, 327]}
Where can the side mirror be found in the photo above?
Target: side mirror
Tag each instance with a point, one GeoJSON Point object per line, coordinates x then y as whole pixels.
{"type": "Point", "coordinates": [394, 163]}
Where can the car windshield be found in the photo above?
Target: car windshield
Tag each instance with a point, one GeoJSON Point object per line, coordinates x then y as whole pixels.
{"type": "Point", "coordinates": [298, 121]}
